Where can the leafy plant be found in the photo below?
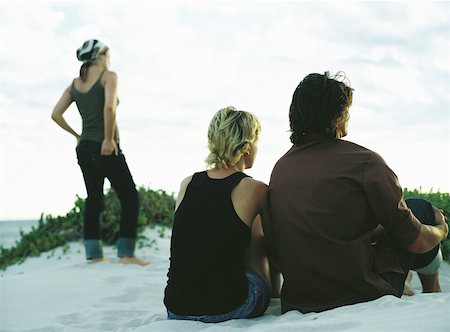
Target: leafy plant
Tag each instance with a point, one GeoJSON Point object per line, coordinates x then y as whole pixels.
{"type": "Point", "coordinates": [157, 208]}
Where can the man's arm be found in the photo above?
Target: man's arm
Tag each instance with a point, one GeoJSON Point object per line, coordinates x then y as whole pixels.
{"type": "Point", "coordinates": [430, 236]}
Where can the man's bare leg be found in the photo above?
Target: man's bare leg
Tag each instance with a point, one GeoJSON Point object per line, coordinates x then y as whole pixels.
{"type": "Point", "coordinates": [430, 283]}
{"type": "Point", "coordinates": [408, 290]}
{"type": "Point", "coordinates": [275, 277]}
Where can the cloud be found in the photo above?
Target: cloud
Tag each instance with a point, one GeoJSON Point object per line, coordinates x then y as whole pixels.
{"type": "Point", "coordinates": [179, 62]}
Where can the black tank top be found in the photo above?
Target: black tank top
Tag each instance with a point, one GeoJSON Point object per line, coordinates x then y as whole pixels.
{"type": "Point", "coordinates": [206, 274]}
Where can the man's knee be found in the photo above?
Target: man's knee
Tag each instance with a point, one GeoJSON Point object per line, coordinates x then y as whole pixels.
{"type": "Point", "coordinates": [422, 210]}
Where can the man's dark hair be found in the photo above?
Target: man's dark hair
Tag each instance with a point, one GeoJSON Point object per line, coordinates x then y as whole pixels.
{"type": "Point", "coordinates": [319, 103]}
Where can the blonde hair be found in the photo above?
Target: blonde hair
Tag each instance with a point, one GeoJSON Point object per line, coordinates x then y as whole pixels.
{"type": "Point", "coordinates": [231, 134]}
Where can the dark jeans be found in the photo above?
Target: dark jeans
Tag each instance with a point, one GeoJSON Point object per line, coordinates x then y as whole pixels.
{"type": "Point", "coordinates": [96, 168]}
{"type": "Point", "coordinates": [423, 211]}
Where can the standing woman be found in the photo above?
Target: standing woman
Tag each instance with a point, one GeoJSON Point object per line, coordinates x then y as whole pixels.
{"type": "Point", "coordinates": [98, 151]}
{"type": "Point", "coordinates": [218, 267]}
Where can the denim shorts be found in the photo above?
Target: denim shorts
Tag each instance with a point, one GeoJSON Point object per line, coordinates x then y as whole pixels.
{"type": "Point", "coordinates": [255, 304]}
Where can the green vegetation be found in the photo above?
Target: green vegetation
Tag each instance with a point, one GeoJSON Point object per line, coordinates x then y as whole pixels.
{"type": "Point", "coordinates": [441, 201]}
{"type": "Point", "coordinates": [157, 208]}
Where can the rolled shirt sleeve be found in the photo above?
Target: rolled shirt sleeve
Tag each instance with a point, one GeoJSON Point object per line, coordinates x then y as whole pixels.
{"type": "Point", "coordinates": [385, 197]}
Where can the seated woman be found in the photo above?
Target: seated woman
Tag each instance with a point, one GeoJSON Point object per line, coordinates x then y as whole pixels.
{"type": "Point", "coordinates": [218, 268]}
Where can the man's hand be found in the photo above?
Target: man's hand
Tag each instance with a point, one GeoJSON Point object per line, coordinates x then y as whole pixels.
{"type": "Point", "coordinates": [109, 147]}
{"type": "Point", "coordinates": [441, 220]}
{"type": "Point", "coordinates": [430, 236]}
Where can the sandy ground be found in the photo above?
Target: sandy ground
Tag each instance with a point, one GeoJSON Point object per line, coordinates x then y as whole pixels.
{"type": "Point", "coordinates": [64, 293]}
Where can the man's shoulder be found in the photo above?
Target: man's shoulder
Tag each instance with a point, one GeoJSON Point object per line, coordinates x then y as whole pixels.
{"type": "Point", "coordinates": [360, 151]}
{"type": "Point", "coordinates": [354, 146]}
{"type": "Point", "coordinates": [340, 152]}
{"type": "Point", "coordinates": [332, 146]}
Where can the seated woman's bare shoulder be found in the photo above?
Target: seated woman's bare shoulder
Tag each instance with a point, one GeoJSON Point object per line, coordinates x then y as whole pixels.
{"type": "Point", "coordinates": [251, 186]}
{"type": "Point", "coordinates": [182, 191]}
{"type": "Point", "coordinates": [249, 199]}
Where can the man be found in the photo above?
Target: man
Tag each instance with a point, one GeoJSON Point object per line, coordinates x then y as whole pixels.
{"type": "Point", "coordinates": [340, 231]}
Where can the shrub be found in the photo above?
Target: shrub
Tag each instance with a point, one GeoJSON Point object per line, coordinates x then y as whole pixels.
{"type": "Point", "coordinates": [157, 208]}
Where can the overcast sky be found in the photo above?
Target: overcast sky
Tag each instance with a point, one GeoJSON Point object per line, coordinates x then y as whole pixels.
{"type": "Point", "coordinates": [179, 62]}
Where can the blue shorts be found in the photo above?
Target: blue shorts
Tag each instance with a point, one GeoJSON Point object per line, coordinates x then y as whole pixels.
{"type": "Point", "coordinates": [255, 304]}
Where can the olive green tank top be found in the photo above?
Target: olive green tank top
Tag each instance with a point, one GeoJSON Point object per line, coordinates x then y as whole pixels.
{"type": "Point", "coordinates": [90, 105]}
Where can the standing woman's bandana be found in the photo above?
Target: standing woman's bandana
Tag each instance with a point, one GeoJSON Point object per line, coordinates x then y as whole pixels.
{"type": "Point", "coordinates": [90, 50]}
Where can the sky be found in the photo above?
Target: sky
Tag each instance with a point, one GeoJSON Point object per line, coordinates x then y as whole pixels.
{"type": "Point", "coordinates": [180, 62]}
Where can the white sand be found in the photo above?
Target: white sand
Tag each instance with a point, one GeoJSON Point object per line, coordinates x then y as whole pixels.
{"type": "Point", "coordinates": [67, 294]}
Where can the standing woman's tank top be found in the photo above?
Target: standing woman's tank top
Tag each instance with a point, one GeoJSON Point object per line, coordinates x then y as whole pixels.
{"type": "Point", "coordinates": [207, 274]}
{"type": "Point", "coordinates": [90, 105]}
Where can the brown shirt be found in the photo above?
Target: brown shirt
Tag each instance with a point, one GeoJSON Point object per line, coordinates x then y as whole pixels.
{"type": "Point", "coordinates": [326, 198]}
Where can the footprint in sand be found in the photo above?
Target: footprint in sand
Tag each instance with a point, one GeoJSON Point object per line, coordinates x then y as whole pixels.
{"type": "Point", "coordinates": [115, 280]}
{"type": "Point", "coordinates": [70, 319]}
{"type": "Point", "coordinates": [128, 295]}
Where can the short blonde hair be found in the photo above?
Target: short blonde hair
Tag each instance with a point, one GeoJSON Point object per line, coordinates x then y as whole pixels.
{"type": "Point", "coordinates": [231, 133]}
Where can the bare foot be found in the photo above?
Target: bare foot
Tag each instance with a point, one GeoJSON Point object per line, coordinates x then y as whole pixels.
{"type": "Point", "coordinates": [99, 260]}
{"type": "Point", "coordinates": [133, 260]}
{"type": "Point", "coordinates": [408, 290]}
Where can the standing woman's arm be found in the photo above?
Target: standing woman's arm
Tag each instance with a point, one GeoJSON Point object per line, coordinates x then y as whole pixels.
{"type": "Point", "coordinates": [58, 111]}
{"type": "Point", "coordinates": [109, 146]}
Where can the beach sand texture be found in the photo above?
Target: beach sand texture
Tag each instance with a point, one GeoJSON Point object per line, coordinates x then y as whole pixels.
{"type": "Point", "coordinates": [64, 293]}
